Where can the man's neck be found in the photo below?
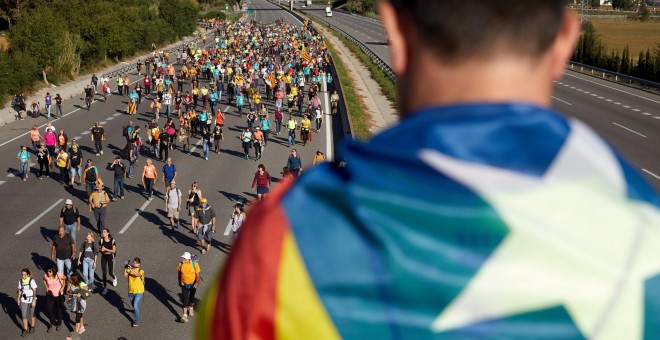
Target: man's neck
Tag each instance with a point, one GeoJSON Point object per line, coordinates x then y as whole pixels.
{"type": "Point", "coordinates": [478, 81]}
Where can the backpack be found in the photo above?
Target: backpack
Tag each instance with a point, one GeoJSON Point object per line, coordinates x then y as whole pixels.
{"type": "Point", "coordinates": [113, 243]}
{"type": "Point", "coordinates": [126, 152]}
{"type": "Point", "coordinates": [29, 293]}
{"type": "Point", "coordinates": [125, 131]}
{"type": "Point", "coordinates": [90, 175]}
{"type": "Point", "coordinates": [193, 260]}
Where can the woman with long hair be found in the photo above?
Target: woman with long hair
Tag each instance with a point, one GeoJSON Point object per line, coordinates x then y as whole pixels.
{"type": "Point", "coordinates": [55, 284]}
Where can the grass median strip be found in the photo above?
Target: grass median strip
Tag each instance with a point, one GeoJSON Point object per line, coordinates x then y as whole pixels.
{"type": "Point", "coordinates": [359, 119]}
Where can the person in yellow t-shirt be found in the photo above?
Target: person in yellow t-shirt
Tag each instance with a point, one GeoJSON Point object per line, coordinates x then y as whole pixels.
{"type": "Point", "coordinates": [305, 126]}
{"type": "Point", "coordinates": [62, 162]}
{"type": "Point", "coordinates": [188, 270]}
{"type": "Point", "coordinates": [135, 277]}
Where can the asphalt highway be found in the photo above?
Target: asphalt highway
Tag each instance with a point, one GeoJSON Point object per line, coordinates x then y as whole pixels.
{"type": "Point", "coordinates": [30, 213]}
{"type": "Point", "coordinates": [627, 117]}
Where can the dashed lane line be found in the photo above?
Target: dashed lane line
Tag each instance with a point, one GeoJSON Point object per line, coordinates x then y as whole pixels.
{"type": "Point", "coordinates": [631, 130]}
{"type": "Point", "coordinates": [40, 216]}
{"type": "Point", "coordinates": [137, 214]}
{"type": "Point", "coordinates": [563, 101]}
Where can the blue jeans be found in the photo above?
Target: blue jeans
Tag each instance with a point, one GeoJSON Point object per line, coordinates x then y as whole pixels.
{"type": "Point", "coordinates": [64, 263]}
{"type": "Point", "coordinates": [205, 148]}
{"type": "Point", "coordinates": [131, 170]}
{"type": "Point", "coordinates": [119, 186]}
{"type": "Point", "coordinates": [149, 182]}
{"type": "Point", "coordinates": [167, 110]}
{"type": "Point", "coordinates": [71, 230]}
{"type": "Point", "coordinates": [88, 270]}
{"type": "Point", "coordinates": [24, 168]}
{"type": "Point", "coordinates": [292, 137]}
{"type": "Point", "coordinates": [135, 301]}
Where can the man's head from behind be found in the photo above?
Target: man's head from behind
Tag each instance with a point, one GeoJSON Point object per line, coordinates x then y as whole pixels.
{"type": "Point", "coordinates": [433, 38]}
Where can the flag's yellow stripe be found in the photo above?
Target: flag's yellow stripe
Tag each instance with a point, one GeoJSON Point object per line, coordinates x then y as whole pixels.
{"type": "Point", "coordinates": [300, 314]}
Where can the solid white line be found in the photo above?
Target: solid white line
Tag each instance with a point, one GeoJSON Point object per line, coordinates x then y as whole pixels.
{"type": "Point", "coordinates": [128, 224]}
{"type": "Point", "coordinates": [633, 131]}
{"type": "Point", "coordinates": [565, 102]}
{"type": "Point", "coordinates": [40, 216]}
{"type": "Point", "coordinates": [228, 229]}
{"type": "Point", "coordinates": [650, 173]}
{"type": "Point", "coordinates": [613, 88]}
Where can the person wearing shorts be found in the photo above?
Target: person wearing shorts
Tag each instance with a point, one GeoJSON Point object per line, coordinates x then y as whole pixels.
{"type": "Point", "coordinates": [27, 300]}
{"type": "Point", "coordinates": [204, 224]}
{"type": "Point", "coordinates": [173, 204]}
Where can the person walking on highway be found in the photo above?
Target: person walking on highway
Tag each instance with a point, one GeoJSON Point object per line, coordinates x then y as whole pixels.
{"type": "Point", "coordinates": [63, 251]}
{"type": "Point", "coordinates": [26, 298]}
{"type": "Point", "coordinates": [92, 177]}
{"type": "Point", "coordinates": [23, 162]}
{"type": "Point", "coordinates": [48, 100]}
{"type": "Point", "coordinates": [108, 249]}
{"type": "Point", "coordinates": [119, 169]}
{"type": "Point", "coordinates": [135, 276]}
{"type": "Point", "coordinates": [35, 138]}
{"type": "Point", "coordinates": [87, 255]}
{"type": "Point", "coordinates": [98, 136]}
{"type": "Point", "coordinates": [58, 105]}
{"type": "Point", "coordinates": [204, 222]}
{"type": "Point", "coordinates": [155, 108]}
{"type": "Point", "coordinates": [43, 159]}
{"type": "Point", "coordinates": [120, 85]}
{"type": "Point", "coordinates": [263, 181]}
{"type": "Point", "coordinates": [237, 219]}
{"type": "Point", "coordinates": [173, 204]}
{"type": "Point", "coordinates": [193, 201]}
{"type": "Point", "coordinates": [62, 161]}
{"type": "Point", "coordinates": [169, 173]}
{"type": "Point", "coordinates": [55, 285]}
{"type": "Point", "coordinates": [70, 219]}
{"type": "Point", "coordinates": [188, 274]}
{"type": "Point", "coordinates": [291, 126]}
{"type": "Point", "coordinates": [149, 176]}
{"type": "Point", "coordinates": [294, 163]}
{"type": "Point", "coordinates": [98, 203]}
{"type": "Point", "coordinates": [258, 141]}
{"type": "Point", "coordinates": [78, 292]}
{"type": "Point", "coordinates": [246, 138]}
{"type": "Point", "coordinates": [75, 165]}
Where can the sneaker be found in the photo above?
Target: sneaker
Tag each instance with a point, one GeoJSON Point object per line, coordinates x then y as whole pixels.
{"type": "Point", "coordinates": [91, 290]}
{"type": "Point", "coordinates": [150, 198]}
{"type": "Point", "coordinates": [135, 324]}
{"type": "Point", "coordinates": [203, 252]}
{"type": "Point", "coordinates": [104, 291]}
{"type": "Point", "coordinates": [184, 319]}
{"type": "Point", "coordinates": [191, 311]}
{"type": "Point", "coordinates": [50, 329]}
{"type": "Point", "coordinates": [82, 330]}
{"type": "Point", "coordinates": [32, 329]}
{"type": "Point", "coordinates": [206, 158]}
{"type": "Point", "coordinates": [208, 247]}
{"type": "Point", "coordinates": [98, 154]}
{"type": "Point", "coordinates": [101, 151]}
{"type": "Point", "coordinates": [24, 333]}
{"type": "Point", "coordinates": [113, 199]}
{"type": "Point", "coordinates": [114, 282]}
{"type": "Point", "coordinates": [178, 225]}
{"type": "Point", "coordinates": [122, 197]}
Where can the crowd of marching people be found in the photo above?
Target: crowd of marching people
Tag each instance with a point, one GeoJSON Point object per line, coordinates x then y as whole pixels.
{"type": "Point", "coordinates": [247, 66]}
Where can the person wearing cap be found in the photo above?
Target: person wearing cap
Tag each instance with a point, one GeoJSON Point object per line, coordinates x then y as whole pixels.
{"type": "Point", "coordinates": [75, 164]}
{"type": "Point", "coordinates": [98, 201]}
{"type": "Point", "coordinates": [204, 222]}
{"type": "Point", "coordinates": [188, 272]}
{"type": "Point", "coordinates": [173, 204]}
{"type": "Point", "coordinates": [43, 159]}
{"type": "Point", "coordinates": [98, 136]}
{"type": "Point", "coordinates": [70, 219]}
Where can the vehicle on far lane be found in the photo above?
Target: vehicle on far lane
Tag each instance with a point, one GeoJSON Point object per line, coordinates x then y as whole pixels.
{"type": "Point", "coordinates": [328, 12]}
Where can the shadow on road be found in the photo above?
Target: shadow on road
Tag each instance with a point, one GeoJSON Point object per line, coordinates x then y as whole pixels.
{"type": "Point", "coordinates": [41, 262]}
{"type": "Point", "coordinates": [163, 295]}
{"type": "Point", "coordinates": [118, 302]}
{"type": "Point", "coordinates": [10, 308]}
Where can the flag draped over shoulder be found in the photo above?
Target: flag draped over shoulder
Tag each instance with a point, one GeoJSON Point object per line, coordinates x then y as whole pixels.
{"type": "Point", "coordinates": [471, 221]}
{"type": "Point", "coordinates": [305, 55]}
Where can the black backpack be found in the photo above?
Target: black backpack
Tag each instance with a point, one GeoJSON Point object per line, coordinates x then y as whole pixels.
{"type": "Point", "coordinates": [124, 131]}
{"type": "Point", "coordinates": [90, 175]}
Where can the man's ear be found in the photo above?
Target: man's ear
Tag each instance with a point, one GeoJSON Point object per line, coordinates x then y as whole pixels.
{"type": "Point", "coordinates": [398, 45]}
{"type": "Point", "coordinates": [564, 45]}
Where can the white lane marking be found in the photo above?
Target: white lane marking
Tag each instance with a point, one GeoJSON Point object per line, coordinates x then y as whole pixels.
{"type": "Point", "coordinates": [572, 87]}
{"type": "Point", "coordinates": [586, 92]}
{"type": "Point", "coordinates": [11, 174]}
{"type": "Point", "coordinates": [2, 182]}
{"type": "Point", "coordinates": [116, 114]}
{"type": "Point", "coordinates": [77, 137]}
{"type": "Point", "coordinates": [637, 110]}
{"type": "Point", "coordinates": [85, 132]}
{"type": "Point", "coordinates": [612, 88]}
{"type": "Point", "coordinates": [652, 174]}
{"type": "Point", "coordinates": [601, 97]}
{"type": "Point", "coordinates": [646, 113]}
{"type": "Point", "coordinates": [626, 107]}
{"type": "Point", "coordinates": [228, 229]}
{"type": "Point", "coordinates": [594, 95]}
{"type": "Point", "coordinates": [137, 214]}
{"type": "Point", "coordinates": [40, 216]}
{"type": "Point", "coordinates": [617, 103]}
{"type": "Point", "coordinates": [110, 118]}
{"type": "Point", "coordinates": [103, 122]}
{"type": "Point", "coordinates": [633, 131]}
{"type": "Point", "coordinates": [565, 102]}
{"type": "Point", "coordinates": [656, 117]}
{"type": "Point", "coordinates": [609, 100]}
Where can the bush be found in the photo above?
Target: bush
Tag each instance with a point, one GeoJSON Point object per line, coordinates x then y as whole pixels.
{"type": "Point", "coordinates": [213, 14]}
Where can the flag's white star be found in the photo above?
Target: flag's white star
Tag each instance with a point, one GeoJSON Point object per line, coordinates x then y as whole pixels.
{"type": "Point", "coordinates": [574, 240]}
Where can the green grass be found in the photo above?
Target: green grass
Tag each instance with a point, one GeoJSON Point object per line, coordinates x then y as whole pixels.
{"type": "Point", "coordinates": [358, 118]}
{"type": "Point", "coordinates": [234, 16]}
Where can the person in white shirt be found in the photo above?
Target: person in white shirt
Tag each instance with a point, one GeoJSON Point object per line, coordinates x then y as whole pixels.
{"type": "Point", "coordinates": [173, 205]}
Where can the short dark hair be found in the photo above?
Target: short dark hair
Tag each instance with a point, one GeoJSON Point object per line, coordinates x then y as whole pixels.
{"type": "Point", "coordinates": [460, 29]}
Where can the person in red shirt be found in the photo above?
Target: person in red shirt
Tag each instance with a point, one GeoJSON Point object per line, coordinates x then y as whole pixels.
{"type": "Point", "coordinates": [262, 180]}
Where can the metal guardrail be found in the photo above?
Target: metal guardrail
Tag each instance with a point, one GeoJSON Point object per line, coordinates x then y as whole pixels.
{"type": "Point", "coordinates": [615, 76]}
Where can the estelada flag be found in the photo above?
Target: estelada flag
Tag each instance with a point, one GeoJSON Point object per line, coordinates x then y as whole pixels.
{"type": "Point", "coordinates": [305, 55]}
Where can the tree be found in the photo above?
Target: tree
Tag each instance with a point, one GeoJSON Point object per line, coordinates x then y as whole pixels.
{"type": "Point", "coordinates": [39, 32]}
{"type": "Point", "coordinates": [644, 14]}
{"type": "Point", "coordinates": [10, 9]}
{"type": "Point", "coordinates": [594, 3]}
{"type": "Point", "coordinates": [624, 5]}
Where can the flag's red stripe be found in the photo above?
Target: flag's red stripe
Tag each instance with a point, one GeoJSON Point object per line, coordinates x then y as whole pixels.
{"type": "Point", "coordinates": [246, 303]}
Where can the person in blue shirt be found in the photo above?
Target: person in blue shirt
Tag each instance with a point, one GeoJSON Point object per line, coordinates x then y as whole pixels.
{"type": "Point", "coordinates": [23, 162]}
{"type": "Point", "coordinates": [264, 122]}
{"type": "Point", "coordinates": [240, 100]}
{"type": "Point", "coordinates": [169, 173]}
{"type": "Point", "coordinates": [213, 99]}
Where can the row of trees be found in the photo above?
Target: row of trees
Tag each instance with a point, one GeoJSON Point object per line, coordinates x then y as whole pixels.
{"type": "Point", "coordinates": [592, 51]}
{"type": "Point", "coordinates": [57, 38]}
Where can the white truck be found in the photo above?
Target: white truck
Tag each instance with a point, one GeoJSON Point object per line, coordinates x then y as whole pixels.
{"type": "Point", "coordinates": [328, 12]}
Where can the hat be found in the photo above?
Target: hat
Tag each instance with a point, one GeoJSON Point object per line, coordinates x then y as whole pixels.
{"type": "Point", "coordinates": [173, 182]}
{"type": "Point", "coordinates": [68, 202]}
{"type": "Point", "coordinates": [203, 200]}
{"type": "Point", "coordinates": [257, 128]}
{"type": "Point", "coordinates": [186, 256]}
{"type": "Point", "coordinates": [74, 146]}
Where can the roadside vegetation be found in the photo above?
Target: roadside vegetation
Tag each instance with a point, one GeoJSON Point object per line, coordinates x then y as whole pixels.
{"type": "Point", "coordinates": [52, 41]}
